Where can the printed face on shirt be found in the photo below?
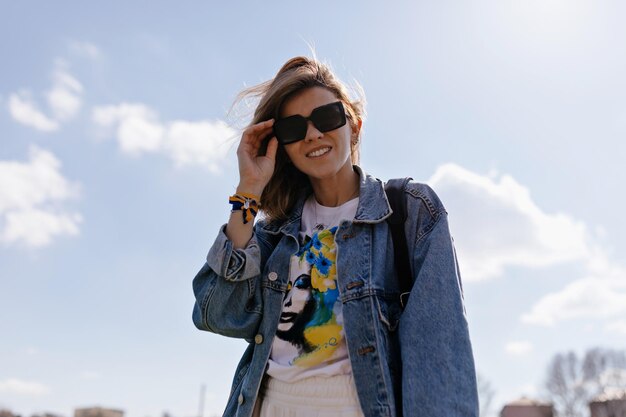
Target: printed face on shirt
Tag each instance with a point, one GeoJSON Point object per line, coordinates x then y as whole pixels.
{"type": "Point", "coordinates": [298, 309]}
{"type": "Point", "coordinates": [308, 320]}
{"type": "Point", "coordinates": [298, 296]}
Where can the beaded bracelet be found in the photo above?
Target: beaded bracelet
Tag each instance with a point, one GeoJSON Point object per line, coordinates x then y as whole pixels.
{"type": "Point", "coordinates": [247, 203]}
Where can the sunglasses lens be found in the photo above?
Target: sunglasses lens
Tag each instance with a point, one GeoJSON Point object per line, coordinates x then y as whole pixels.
{"type": "Point", "coordinates": [329, 117]}
{"type": "Point", "coordinates": [290, 129]}
{"type": "Point", "coordinates": [325, 118]}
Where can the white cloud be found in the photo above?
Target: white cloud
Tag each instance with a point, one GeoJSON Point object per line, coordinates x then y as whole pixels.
{"type": "Point", "coordinates": [38, 227]}
{"type": "Point", "coordinates": [108, 116]}
{"type": "Point", "coordinates": [136, 127]}
{"type": "Point", "coordinates": [600, 294]}
{"type": "Point", "coordinates": [31, 201]}
{"type": "Point", "coordinates": [15, 386]}
{"type": "Point", "coordinates": [24, 110]}
{"type": "Point", "coordinates": [64, 98]}
{"type": "Point", "coordinates": [199, 143]}
{"type": "Point", "coordinates": [64, 102]}
{"type": "Point", "coordinates": [498, 225]}
{"type": "Point", "coordinates": [519, 348]}
{"type": "Point", "coordinates": [139, 130]}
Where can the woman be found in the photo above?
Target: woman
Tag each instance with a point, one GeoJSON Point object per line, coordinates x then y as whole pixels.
{"type": "Point", "coordinates": [312, 286]}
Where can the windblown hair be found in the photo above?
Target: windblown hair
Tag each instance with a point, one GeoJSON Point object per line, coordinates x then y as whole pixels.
{"type": "Point", "coordinates": [288, 183]}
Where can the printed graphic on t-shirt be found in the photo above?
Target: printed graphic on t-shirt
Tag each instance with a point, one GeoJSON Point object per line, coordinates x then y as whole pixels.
{"type": "Point", "coordinates": [308, 322]}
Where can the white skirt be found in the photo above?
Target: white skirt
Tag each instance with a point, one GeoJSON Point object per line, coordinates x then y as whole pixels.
{"type": "Point", "coordinates": [310, 397]}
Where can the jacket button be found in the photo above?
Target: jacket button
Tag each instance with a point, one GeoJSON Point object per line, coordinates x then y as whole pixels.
{"type": "Point", "coordinates": [366, 349]}
{"type": "Point", "coordinates": [354, 284]}
{"type": "Point", "coordinates": [240, 399]}
{"type": "Point", "coordinates": [258, 339]}
{"type": "Point", "coordinates": [272, 276]}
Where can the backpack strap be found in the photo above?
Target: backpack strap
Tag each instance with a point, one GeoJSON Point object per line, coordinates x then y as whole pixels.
{"type": "Point", "coordinates": [395, 194]}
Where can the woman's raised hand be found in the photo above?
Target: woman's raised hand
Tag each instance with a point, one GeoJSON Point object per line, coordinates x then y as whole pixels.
{"type": "Point", "coordinates": [255, 171]}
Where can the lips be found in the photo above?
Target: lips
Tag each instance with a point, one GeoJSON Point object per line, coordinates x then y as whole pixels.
{"type": "Point", "coordinates": [322, 150]}
{"type": "Point", "coordinates": [288, 317]}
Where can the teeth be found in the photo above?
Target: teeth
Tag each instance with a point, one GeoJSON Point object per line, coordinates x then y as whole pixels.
{"type": "Point", "coordinates": [319, 152]}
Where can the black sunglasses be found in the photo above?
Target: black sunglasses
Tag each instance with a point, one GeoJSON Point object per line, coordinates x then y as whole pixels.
{"type": "Point", "coordinates": [325, 118]}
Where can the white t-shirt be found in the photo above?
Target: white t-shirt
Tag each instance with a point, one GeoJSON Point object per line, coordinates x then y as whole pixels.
{"type": "Point", "coordinates": [310, 337]}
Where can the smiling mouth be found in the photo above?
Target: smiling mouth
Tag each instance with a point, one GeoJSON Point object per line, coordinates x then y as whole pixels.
{"type": "Point", "coordinates": [319, 152]}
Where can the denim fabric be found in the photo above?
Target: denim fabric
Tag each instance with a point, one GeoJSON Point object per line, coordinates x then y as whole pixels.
{"type": "Point", "coordinates": [423, 352]}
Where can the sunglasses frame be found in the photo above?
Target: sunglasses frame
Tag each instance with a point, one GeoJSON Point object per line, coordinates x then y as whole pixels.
{"type": "Point", "coordinates": [304, 122]}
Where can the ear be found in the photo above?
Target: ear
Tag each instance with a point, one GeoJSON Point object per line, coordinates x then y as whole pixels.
{"type": "Point", "coordinates": [356, 129]}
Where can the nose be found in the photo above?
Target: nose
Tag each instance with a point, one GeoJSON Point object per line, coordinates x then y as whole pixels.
{"type": "Point", "coordinates": [288, 301]}
{"type": "Point", "coordinates": [312, 132]}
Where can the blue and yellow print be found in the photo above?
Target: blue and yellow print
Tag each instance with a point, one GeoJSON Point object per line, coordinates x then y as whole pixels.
{"type": "Point", "coordinates": [320, 334]}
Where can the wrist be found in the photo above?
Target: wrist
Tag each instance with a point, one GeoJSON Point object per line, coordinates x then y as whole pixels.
{"type": "Point", "coordinates": [247, 203]}
{"type": "Point", "coordinates": [249, 189]}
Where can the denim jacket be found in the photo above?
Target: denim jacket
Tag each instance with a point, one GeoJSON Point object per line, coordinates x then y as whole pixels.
{"type": "Point", "coordinates": [412, 362]}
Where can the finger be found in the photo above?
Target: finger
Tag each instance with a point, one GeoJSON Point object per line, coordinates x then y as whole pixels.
{"type": "Point", "coordinates": [260, 126]}
{"type": "Point", "coordinates": [254, 141]}
{"type": "Point", "coordinates": [272, 146]}
{"type": "Point", "coordinates": [254, 138]}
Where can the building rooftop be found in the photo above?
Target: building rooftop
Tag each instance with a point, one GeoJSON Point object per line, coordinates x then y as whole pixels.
{"type": "Point", "coordinates": [610, 394]}
{"type": "Point", "coordinates": [525, 401]}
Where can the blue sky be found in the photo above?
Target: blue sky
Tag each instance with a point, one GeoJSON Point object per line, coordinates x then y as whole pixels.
{"type": "Point", "coordinates": [117, 158]}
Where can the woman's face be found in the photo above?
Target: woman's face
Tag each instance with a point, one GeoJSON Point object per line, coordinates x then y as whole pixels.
{"type": "Point", "coordinates": [335, 143]}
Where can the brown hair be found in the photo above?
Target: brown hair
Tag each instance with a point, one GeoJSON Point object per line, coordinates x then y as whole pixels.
{"type": "Point", "coordinates": [288, 183]}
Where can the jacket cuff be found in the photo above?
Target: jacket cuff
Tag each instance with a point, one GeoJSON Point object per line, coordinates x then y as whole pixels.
{"type": "Point", "coordinates": [234, 264]}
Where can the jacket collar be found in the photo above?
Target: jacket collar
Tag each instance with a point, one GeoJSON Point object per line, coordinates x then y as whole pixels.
{"type": "Point", "coordinates": [373, 206]}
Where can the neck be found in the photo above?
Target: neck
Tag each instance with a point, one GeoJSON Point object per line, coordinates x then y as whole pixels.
{"type": "Point", "coordinates": [333, 192]}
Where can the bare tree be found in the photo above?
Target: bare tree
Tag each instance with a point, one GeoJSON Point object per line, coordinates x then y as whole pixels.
{"type": "Point", "coordinates": [572, 382]}
{"type": "Point", "coordinates": [604, 369]}
{"type": "Point", "coordinates": [565, 385]}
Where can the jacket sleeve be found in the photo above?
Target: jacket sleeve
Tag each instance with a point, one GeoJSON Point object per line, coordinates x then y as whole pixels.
{"type": "Point", "coordinates": [227, 290]}
{"type": "Point", "coordinates": [438, 374]}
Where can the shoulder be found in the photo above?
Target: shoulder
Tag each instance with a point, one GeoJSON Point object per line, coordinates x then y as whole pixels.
{"type": "Point", "coordinates": [424, 209]}
{"type": "Point", "coordinates": [425, 198]}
